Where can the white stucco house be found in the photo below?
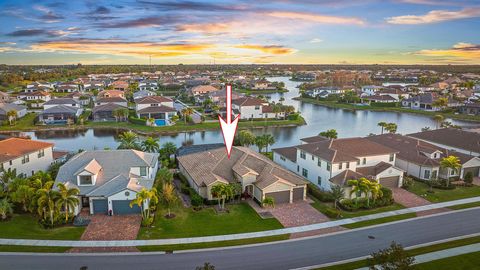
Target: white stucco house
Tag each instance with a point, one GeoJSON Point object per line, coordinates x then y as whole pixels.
{"type": "Point", "coordinates": [157, 107]}
{"type": "Point", "coordinates": [109, 180]}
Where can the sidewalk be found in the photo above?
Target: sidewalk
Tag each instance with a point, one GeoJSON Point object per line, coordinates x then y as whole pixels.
{"type": "Point", "coordinates": [299, 229]}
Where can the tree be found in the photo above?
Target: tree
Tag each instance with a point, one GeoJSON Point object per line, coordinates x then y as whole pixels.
{"type": "Point", "coordinates": [143, 197]}
{"type": "Point", "coordinates": [150, 145]}
{"type": "Point", "coordinates": [120, 114]}
{"type": "Point", "coordinates": [5, 208]}
{"type": "Point", "coordinates": [382, 124]}
{"type": "Point", "coordinates": [392, 258]}
{"type": "Point", "coordinates": [281, 100]}
{"type": "Point", "coordinates": [359, 187]}
{"type": "Point", "coordinates": [440, 103]}
{"type": "Point", "coordinates": [47, 202]}
{"type": "Point", "coordinates": [375, 190]}
{"type": "Point", "coordinates": [23, 194]}
{"type": "Point", "coordinates": [438, 118]}
{"type": "Point", "coordinates": [128, 140]}
{"type": "Point", "coordinates": [268, 202]}
{"type": "Point", "coordinates": [216, 191]}
{"type": "Point", "coordinates": [246, 138]}
{"type": "Point", "coordinates": [269, 140]}
{"type": "Point", "coordinates": [222, 192]}
{"type": "Point", "coordinates": [12, 117]}
{"type": "Point", "coordinates": [451, 163]}
{"type": "Point", "coordinates": [260, 142]}
{"type": "Point", "coordinates": [67, 198]}
{"type": "Point", "coordinates": [338, 193]}
{"type": "Point", "coordinates": [7, 176]}
{"type": "Point", "coordinates": [391, 128]}
{"type": "Point", "coordinates": [164, 175]}
{"type": "Point", "coordinates": [168, 196]}
{"type": "Point", "coordinates": [168, 149]}
{"type": "Point", "coordinates": [186, 112]}
{"type": "Point", "coordinates": [331, 134]}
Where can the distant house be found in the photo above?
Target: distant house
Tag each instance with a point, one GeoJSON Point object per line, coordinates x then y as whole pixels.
{"type": "Point", "coordinates": [305, 76]}
{"type": "Point", "coordinates": [470, 108]}
{"type": "Point", "coordinates": [204, 166]}
{"type": "Point", "coordinates": [67, 88]}
{"type": "Point", "coordinates": [380, 99]}
{"type": "Point", "coordinates": [25, 156]}
{"type": "Point", "coordinates": [263, 84]}
{"type": "Point", "coordinates": [220, 96]}
{"type": "Point", "coordinates": [249, 107]}
{"type": "Point", "coordinates": [59, 114]}
{"type": "Point", "coordinates": [83, 98]}
{"type": "Point", "coordinates": [106, 111]}
{"type": "Point", "coordinates": [426, 101]}
{"type": "Point", "coordinates": [109, 180]}
{"type": "Point", "coordinates": [117, 100]}
{"type": "Point", "coordinates": [143, 93]}
{"type": "Point", "coordinates": [111, 93]}
{"type": "Point", "coordinates": [148, 85]}
{"type": "Point", "coordinates": [463, 141]}
{"type": "Point", "coordinates": [202, 90]}
{"type": "Point", "coordinates": [68, 102]}
{"type": "Point", "coordinates": [32, 96]}
{"type": "Point", "coordinates": [157, 107]}
{"type": "Point", "coordinates": [370, 90]}
{"type": "Point", "coordinates": [120, 85]}
{"type": "Point", "coordinates": [35, 85]}
{"type": "Point", "coordinates": [323, 92]}
{"type": "Point", "coordinates": [4, 97]}
{"type": "Point", "coordinates": [6, 107]}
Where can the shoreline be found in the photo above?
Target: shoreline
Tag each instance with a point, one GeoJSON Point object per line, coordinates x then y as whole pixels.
{"type": "Point", "coordinates": [352, 107]}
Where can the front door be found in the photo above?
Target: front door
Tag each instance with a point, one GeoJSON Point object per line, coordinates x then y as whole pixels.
{"type": "Point", "coordinates": [85, 202]}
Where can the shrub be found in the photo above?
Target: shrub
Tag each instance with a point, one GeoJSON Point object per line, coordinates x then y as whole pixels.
{"type": "Point", "coordinates": [147, 222]}
{"type": "Point", "coordinates": [468, 178]}
{"type": "Point", "coordinates": [137, 121]}
{"type": "Point", "coordinates": [293, 116]}
{"type": "Point", "coordinates": [407, 182]}
{"type": "Point", "coordinates": [332, 213]}
{"type": "Point", "coordinates": [319, 194]}
{"type": "Point", "coordinates": [196, 200]}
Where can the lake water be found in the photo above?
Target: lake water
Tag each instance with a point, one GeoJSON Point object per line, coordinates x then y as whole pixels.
{"type": "Point", "coordinates": [318, 118]}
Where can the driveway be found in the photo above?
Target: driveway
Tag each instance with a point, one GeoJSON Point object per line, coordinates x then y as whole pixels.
{"type": "Point", "coordinates": [409, 199]}
{"type": "Point", "coordinates": [103, 227]}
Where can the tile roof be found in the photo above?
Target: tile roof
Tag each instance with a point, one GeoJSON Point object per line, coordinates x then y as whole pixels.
{"type": "Point", "coordinates": [372, 171]}
{"type": "Point", "coordinates": [313, 139]}
{"type": "Point", "coordinates": [287, 152]}
{"type": "Point", "coordinates": [60, 109]}
{"type": "Point", "coordinates": [108, 107]}
{"type": "Point", "coordinates": [110, 99]}
{"type": "Point", "coordinates": [152, 99]}
{"type": "Point", "coordinates": [6, 107]}
{"type": "Point", "coordinates": [157, 109]}
{"type": "Point", "coordinates": [13, 148]}
{"type": "Point", "coordinates": [342, 178]}
{"type": "Point", "coordinates": [452, 137]}
{"type": "Point", "coordinates": [60, 101]}
{"type": "Point", "coordinates": [248, 101]}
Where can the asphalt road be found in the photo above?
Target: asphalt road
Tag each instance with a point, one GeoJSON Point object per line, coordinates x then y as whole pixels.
{"type": "Point", "coordinates": [286, 255]}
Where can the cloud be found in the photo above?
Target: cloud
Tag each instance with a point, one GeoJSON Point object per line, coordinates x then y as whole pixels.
{"type": "Point", "coordinates": [435, 2]}
{"type": "Point", "coordinates": [461, 51]}
{"type": "Point", "coordinates": [138, 23]}
{"type": "Point", "coordinates": [192, 6]}
{"type": "Point", "coordinates": [316, 40]}
{"type": "Point", "coordinates": [36, 32]}
{"type": "Point", "coordinates": [118, 47]}
{"type": "Point", "coordinates": [269, 49]}
{"type": "Point", "coordinates": [316, 18]}
{"type": "Point", "coordinates": [436, 16]}
{"type": "Point", "coordinates": [102, 10]}
{"type": "Point", "coordinates": [49, 16]}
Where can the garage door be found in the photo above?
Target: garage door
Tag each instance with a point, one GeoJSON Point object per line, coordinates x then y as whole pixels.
{"type": "Point", "coordinates": [100, 206]}
{"type": "Point", "coordinates": [473, 170]}
{"type": "Point", "coordinates": [298, 194]}
{"type": "Point", "coordinates": [390, 182]}
{"type": "Point", "coordinates": [280, 196]}
{"type": "Point", "coordinates": [122, 207]}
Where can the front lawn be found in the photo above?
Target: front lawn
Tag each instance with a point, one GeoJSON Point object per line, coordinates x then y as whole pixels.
{"type": "Point", "coordinates": [443, 195]}
{"type": "Point", "coordinates": [27, 227]}
{"type": "Point", "coordinates": [323, 207]}
{"type": "Point", "coordinates": [189, 223]}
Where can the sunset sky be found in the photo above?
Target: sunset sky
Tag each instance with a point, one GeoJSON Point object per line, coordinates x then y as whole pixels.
{"type": "Point", "coordinates": [240, 32]}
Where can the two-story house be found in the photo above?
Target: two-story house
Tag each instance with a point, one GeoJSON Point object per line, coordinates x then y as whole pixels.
{"type": "Point", "coordinates": [157, 107]}
{"type": "Point", "coordinates": [25, 156]}
{"type": "Point", "coordinates": [60, 111]}
{"type": "Point", "coordinates": [326, 161]}
{"type": "Point", "coordinates": [249, 107]}
{"type": "Point", "coordinates": [109, 180]}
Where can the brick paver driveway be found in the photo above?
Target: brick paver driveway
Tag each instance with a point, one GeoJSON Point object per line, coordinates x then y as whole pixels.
{"type": "Point", "coordinates": [409, 199]}
{"type": "Point", "coordinates": [103, 227]}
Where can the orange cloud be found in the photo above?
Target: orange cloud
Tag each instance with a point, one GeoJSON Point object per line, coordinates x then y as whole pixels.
{"type": "Point", "coordinates": [317, 18]}
{"type": "Point", "coordinates": [436, 16]}
{"type": "Point", "coordinates": [269, 49]}
{"type": "Point", "coordinates": [463, 51]}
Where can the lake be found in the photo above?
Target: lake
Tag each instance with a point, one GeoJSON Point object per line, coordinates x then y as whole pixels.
{"type": "Point", "coordinates": [347, 123]}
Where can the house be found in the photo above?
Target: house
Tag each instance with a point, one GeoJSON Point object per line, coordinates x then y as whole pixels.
{"type": "Point", "coordinates": [109, 180]}
{"type": "Point", "coordinates": [426, 102]}
{"type": "Point", "coordinates": [219, 97]}
{"type": "Point", "coordinates": [82, 98]}
{"type": "Point", "coordinates": [326, 162]}
{"type": "Point", "coordinates": [6, 107]}
{"type": "Point", "coordinates": [463, 141]}
{"type": "Point", "coordinates": [470, 108]}
{"type": "Point", "coordinates": [25, 156]}
{"type": "Point", "coordinates": [120, 85]}
{"type": "Point", "coordinates": [34, 85]}
{"type": "Point", "coordinates": [323, 92]}
{"type": "Point", "coordinates": [380, 99]}
{"type": "Point", "coordinates": [421, 159]}
{"type": "Point", "coordinates": [157, 107]}
{"type": "Point", "coordinates": [202, 90]}
{"type": "Point", "coordinates": [34, 96]}
{"type": "Point", "coordinates": [4, 97]}
{"type": "Point", "coordinates": [204, 166]}
{"type": "Point", "coordinates": [117, 100]}
{"type": "Point", "coordinates": [68, 102]}
{"type": "Point", "coordinates": [59, 114]}
{"type": "Point", "coordinates": [106, 111]}
{"type": "Point", "coordinates": [148, 85]}
{"type": "Point", "coordinates": [143, 93]}
{"type": "Point", "coordinates": [263, 84]}
{"type": "Point", "coordinates": [305, 76]}
{"type": "Point", "coordinates": [249, 107]}
{"type": "Point", "coordinates": [67, 88]}
{"type": "Point", "coordinates": [370, 90]}
{"type": "Point", "coordinates": [111, 93]}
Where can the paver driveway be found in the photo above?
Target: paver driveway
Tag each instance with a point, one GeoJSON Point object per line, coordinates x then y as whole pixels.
{"type": "Point", "coordinates": [409, 199]}
{"type": "Point", "coordinates": [103, 227]}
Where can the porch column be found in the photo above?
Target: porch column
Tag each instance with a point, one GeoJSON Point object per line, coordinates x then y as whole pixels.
{"type": "Point", "coordinates": [90, 205]}
{"type": "Point", "coordinates": [291, 195]}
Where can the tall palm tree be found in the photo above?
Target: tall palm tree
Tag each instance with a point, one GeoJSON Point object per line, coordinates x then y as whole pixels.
{"type": "Point", "coordinates": [164, 175]}
{"type": "Point", "coordinates": [5, 208]}
{"type": "Point", "coordinates": [186, 112]}
{"type": "Point", "coordinates": [143, 196]}
{"type": "Point", "coordinates": [168, 149]}
{"type": "Point", "coordinates": [47, 202]}
{"type": "Point", "coordinates": [150, 145]}
{"type": "Point", "coordinates": [337, 193]}
{"type": "Point", "coordinates": [128, 140]}
{"type": "Point", "coordinates": [375, 189]}
{"type": "Point", "coordinates": [438, 119]}
{"type": "Point", "coordinates": [269, 140]}
{"type": "Point", "coordinates": [67, 198]}
{"type": "Point", "coordinates": [450, 163]}
{"type": "Point", "coordinates": [217, 191]}
{"type": "Point", "coordinates": [6, 177]}
{"type": "Point", "coordinates": [359, 187]}
{"type": "Point", "coordinates": [260, 142]}
{"type": "Point", "coordinates": [168, 196]}
{"type": "Point", "coordinates": [12, 116]}
{"type": "Point", "coordinates": [382, 124]}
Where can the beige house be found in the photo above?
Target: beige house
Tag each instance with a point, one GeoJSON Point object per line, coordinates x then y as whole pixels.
{"type": "Point", "coordinates": [207, 165]}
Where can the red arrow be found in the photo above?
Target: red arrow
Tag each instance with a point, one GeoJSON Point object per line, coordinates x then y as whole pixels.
{"type": "Point", "coordinates": [228, 127]}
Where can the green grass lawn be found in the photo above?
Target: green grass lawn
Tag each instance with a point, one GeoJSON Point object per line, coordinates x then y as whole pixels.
{"type": "Point", "coordinates": [461, 262]}
{"type": "Point", "coordinates": [27, 227]}
{"type": "Point", "coordinates": [33, 249]}
{"type": "Point", "coordinates": [189, 223]}
{"type": "Point", "coordinates": [322, 207]}
{"type": "Point", "coordinates": [440, 195]}
{"type": "Point", "coordinates": [379, 221]}
{"type": "Point", "coordinates": [23, 123]}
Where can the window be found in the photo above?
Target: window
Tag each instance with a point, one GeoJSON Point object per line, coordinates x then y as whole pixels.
{"type": "Point", "coordinates": [25, 159]}
{"type": "Point", "coordinates": [358, 162]}
{"type": "Point", "coordinates": [426, 174]}
{"type": "Point", "coordinates": [143, 171]}
{"type": "Point", "coordinates": [364, 161]}
{"type": "Point", "coordinates": [257, 108]}
{"type": "Point", "coordinates": [85, 180]}
{"type": "Point", "coordinates": [434, 174]}
{"type": "Point", "coordinates": [41, 153]}
{"type": "Point", "coordinates": [298, 168]}
{"type": "Point", "coordinates": [10, 162]}
{"type": "Point", "coordinates": [304, 172]}
{"type": "Point", "coordinates": [452, 172]}
{"type": "Point", "coordinates": [319, 180]}
{"type": "Point", "coordinates": [392, 157]}
{"type": "Point", "coordinates": [313, 157]}
{"type": "Point", "coordinates": [340, 166]}
{"type": "Point", "coordinates": [348, 165]}
{"type": "Point", "coordinates": [328, 166]}
{"type": "Point", "coordinates": [282, 158]}
{"type": "Point", "coordinates": [154, 104]}
{"type": "Point", "coordinates": [319, 163]}
{"type": "Point", "coordinates": [303, 155]}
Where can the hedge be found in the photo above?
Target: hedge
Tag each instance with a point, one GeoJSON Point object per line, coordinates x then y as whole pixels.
{"type": "Point", "coordinates": [137, 121]}
{"type": "Point", "coordinates": [319, 194]}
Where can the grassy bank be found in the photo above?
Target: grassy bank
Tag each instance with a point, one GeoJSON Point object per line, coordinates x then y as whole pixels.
{"type": "Point", "coordinates": [348, 106]}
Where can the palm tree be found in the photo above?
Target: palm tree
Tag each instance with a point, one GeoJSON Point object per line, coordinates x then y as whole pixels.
{"type": "Point", "coordinates": [186, 112]}
{"type": "Point", "coordinates": [260, 142]}
{"type": "Point", "coordinates": [440, 103]}
{"type": "Point", "coordinates": [168, 196]}
{"type": "Point", "coordinates": [68, 198]}
{"type": "Point", "coordinates": [7, 176]}
{"type": "Point", "coordinates": [150, 145]}
{"type": "Point", "coordinates": [281, 100]}
{"type": "Point", "coordinates": [145, 196]}
{"type": "Point", "coordinates": [450, 163]}
{"type": "Point", "coordinates": [375, 189]}
{"type": "Point", "coordinates": [12, 116]}
{"type": "Point", "coordinates": [269, 140]}
{"type": "Point", "coordinates": [338, 193]}
{"type": "Point", "coordinates": [217, 192]}
{"type": "Point", "coordinates": [331, 134]}
{"type": "Point", "coordinates": [164, 175]}
{"type": "Point", "coordinates": [5, 208]}
{"type": "Point", "coordinates": [128, 140]}
{"type": "Point", "coordinates": [206, 266]}
{"type": "Point", "coordinates": [383, 125]}
{"type": "Point", "coordinates": [359, 187]}
{"type": "Point", "coordinates": [391, 128]}
{"type": "Point", "coordinates": [438, 119]}
{"type": "Point", "coordinates": [47, 202]}
{"type": "Point", "coordinates": [246, 138]}
{"type": "Point", "coordinates": [268, 202]}
{"type": "Point", "coordinates": [23, 195]}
